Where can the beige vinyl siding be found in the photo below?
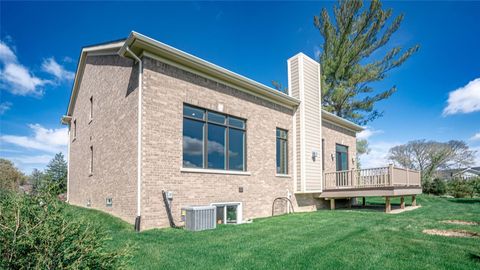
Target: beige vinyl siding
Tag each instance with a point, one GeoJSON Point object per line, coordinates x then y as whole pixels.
{"type": "Point", "coordinates": [312, 118]}
{"type": "Point", "coordinates": [304, 82]}
{"type": "Point", "coordinates": [295, 92]}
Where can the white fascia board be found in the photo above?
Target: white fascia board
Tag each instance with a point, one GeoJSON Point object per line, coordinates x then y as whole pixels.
{"type": "Point", "coordinates": [330, 117]}
{"type": "Point", "coordinates": [105, 49]}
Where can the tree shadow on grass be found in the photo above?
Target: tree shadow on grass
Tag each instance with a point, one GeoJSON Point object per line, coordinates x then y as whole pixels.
{"type": "Point", "coordinates": [465, 200]}
{"type": "Point", "coordinates": [475, 257]}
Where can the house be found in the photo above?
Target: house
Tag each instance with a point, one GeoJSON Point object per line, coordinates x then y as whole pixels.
{"type": "Point", "coordinates": [462, 173]}
{"type": "Point", "coordinates": [145, 118]}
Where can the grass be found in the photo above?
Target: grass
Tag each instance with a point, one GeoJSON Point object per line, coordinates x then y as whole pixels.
{"type": "Point", "coordinates": [341, 239]}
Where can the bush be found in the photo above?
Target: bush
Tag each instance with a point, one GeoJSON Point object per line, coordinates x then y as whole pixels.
{"type": "Point", "coordinates": [438, 187]}
{"type": "Point", "coordinates": [460, 188]}
{"type": "Point", "coordinates": [37, 233]}
{"type": "Point", "coordinates": [475, 183]}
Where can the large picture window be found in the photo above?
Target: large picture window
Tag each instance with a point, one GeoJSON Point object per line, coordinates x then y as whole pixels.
{"type": "Point", "coordinates": [282, 150]}
{"type": "Point", "coordinates": [212, 140]}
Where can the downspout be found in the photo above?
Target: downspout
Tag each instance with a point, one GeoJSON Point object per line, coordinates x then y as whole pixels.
{"type": "Point", "coordinates": [139, 138]}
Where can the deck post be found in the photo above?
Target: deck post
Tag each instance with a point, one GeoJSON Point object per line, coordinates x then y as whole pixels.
{"type": "Point", "coordinates": [402, 202]}
{"type": "Point", "coordinates": [332, 204]}
{"type": "Point", "coordinates": [414, 200]}
{"type": "Point", "coordinates": [388, 206]}
{"type": "Point", "coordinates": [390, 174]}
{"type": "Point", "coordinates": [363, 201]}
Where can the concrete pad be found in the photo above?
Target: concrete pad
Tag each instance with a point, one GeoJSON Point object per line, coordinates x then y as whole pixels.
{"type": "Point", "coordinates": [408, 208]}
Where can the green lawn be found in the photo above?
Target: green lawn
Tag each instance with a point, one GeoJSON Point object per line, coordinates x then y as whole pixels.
{"type": "Point", "coordinates": [341, 239]}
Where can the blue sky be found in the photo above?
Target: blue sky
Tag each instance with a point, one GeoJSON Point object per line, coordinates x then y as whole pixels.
{"type": "Point", "coordinates": [41, 42]}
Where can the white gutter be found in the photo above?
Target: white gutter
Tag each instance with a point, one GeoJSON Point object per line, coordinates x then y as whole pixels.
{"type": "Point", "coordinates": [139, 133]}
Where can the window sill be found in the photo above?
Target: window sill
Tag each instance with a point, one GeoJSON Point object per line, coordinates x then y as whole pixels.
{"type": "Point", "coordinates": [283, 175]}
{"type": "Point", "coordinates": [194, 170]}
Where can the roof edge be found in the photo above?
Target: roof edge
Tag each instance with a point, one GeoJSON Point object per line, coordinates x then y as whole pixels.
{"type": "Point", "coordinates": [341, 121]}
{"type": "Point", "coordinates": [139, 43]}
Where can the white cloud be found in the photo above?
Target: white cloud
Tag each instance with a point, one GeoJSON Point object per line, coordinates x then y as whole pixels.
{"type": "Point", "coordinates": [51, 66]}
{"type": "Point", "coordinates": [464, 99]}
{"type": "Point", "coordinates": [317, 52]}
{"type": "Point", "coordinates": [5, 106]}
{"type": "Point", "coordinates": [6, 54]}
{"type": "Point", "coordinates": [43, 139]}
{"type": "Point", "coordinates": [378, 155]}
{"type": "Point", "coordinates": [20, 80]}
{"type": "Point", "coordinates": [16, 78]}
{"type": "Point", "coordinates": [475, 137]}
{"type": "Point", "coordinates": [367, 133]}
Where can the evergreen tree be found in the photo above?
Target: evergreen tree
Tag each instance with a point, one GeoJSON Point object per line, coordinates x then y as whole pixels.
{"type": "Point", "coordinates": [56, 172]}
{"type": "Point", "coordinates": [348, 68]}
{"type": "Point", "coordinates": [35, 179]}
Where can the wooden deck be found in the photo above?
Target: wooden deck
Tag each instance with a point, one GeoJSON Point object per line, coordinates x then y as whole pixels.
{"type": "Point", "coordinates": [384, 181]}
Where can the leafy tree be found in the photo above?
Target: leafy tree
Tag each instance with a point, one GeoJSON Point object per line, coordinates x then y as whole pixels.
{"type": "Point", "coordinates": [56, 172]}
{"type": "Point", "coordinates": [430, 156]}
{"type": "Point", "coordinates": [348, 65]}
{"type": "Point", "coordinates": [10, 176]}
{"type": "Point", "coordinates": [40, 232]}
{"type": "Point", "coordinates": [362, 149]}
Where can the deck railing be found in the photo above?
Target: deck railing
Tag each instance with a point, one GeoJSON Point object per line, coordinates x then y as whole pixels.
{"type": "Point", "coordinates": [370, 178]}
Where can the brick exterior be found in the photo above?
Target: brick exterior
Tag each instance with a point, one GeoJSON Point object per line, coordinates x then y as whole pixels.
{"type": "Point", "coordinates": [112, 133]}
{"type": "Point", "coordinates": [113, 83]}
{"type": "Point", "coordinates": [166, 89]}
{"type": "Point", "coordinates": [332, 135]}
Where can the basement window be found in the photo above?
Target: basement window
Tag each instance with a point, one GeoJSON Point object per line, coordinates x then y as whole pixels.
{"type": "Point", "coordinates": [229, 213]}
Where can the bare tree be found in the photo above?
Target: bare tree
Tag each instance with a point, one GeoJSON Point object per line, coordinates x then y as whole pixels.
{"type": "Point", "coordinates": [430, 156]}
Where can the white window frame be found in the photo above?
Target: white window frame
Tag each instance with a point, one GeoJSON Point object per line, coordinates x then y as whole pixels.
{"type": "Point", "coordinates": [239, 211]}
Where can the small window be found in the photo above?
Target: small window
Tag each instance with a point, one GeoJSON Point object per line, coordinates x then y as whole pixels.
{"type": "Point", "coordinates": [91, 108]}
{"type": "Point", "coordinates": [91, 160]}
{"type": "Point", "coordinates": [108, 202]}
{"type": "Point", "coordinates": [282, 151]}
{"type": "Point", "coordinates": [74, 129]}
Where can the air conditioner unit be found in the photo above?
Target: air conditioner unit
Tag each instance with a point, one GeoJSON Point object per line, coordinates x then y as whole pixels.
{"type": "Point", "coordinates": [199, 218]}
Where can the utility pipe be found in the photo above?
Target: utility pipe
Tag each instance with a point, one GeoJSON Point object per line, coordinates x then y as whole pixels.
{"type": "Point", "coordinates": [139, 137]}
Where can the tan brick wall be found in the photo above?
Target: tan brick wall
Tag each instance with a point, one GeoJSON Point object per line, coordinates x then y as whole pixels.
{"type": "Point", "coordinates": [112, 132]}
{"type": "Point", "coordinates": [113, 83]}
{"type": "Point", "coordinates": [166, 89]}
{"type": "Point", "coordinates": [333, 134]}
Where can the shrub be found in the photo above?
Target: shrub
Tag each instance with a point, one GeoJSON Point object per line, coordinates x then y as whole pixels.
{"type": "Point", "coordinates": [438, 187]}
{"type": "Point", "coordinates": [37, 233]}
{"type": "Point", "coordinates": [460, 188]}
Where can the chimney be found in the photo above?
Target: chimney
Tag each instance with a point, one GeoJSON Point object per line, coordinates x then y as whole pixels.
{"type": "Point", "coordinates": [304, 84]}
